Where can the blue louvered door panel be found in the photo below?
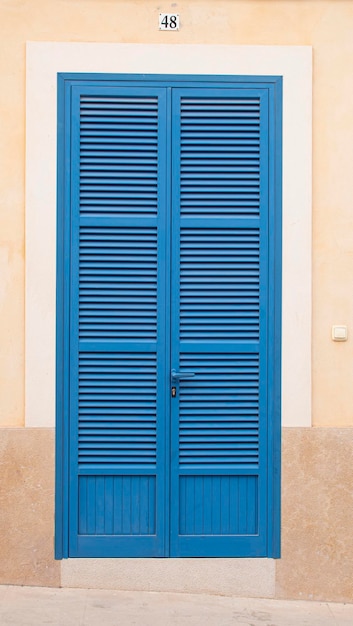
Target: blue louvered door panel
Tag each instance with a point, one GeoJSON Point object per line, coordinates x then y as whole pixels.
{"type": "Point", "coordinates": [219, 322]}
{"type": "Point", "coordinates": [118, 336]}
{"type": "Point", "coordinates": [169, 317]}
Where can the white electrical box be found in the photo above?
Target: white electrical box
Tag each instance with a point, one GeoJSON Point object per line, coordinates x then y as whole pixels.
{"type": "Point", "coordinates": [339, 333]}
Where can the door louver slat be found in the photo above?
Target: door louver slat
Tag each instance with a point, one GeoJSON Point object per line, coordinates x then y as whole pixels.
{"type": "Point", "coordinates": [115, 134]}
{"type": "Point", "coordinates": [113, 283]}
{"type": "Point", "coordinates": [207, 262]}
{"type": "Point", "coordinates": [225, 388]}
{"type": "Point", "coordinates": [106, 389]}
{"type": "Point", "coordinates": [213, 127]}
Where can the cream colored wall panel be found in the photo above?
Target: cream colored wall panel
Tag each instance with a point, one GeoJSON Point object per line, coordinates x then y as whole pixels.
{"type": "Point", "coordinates": [11, 334]}
{"type": "Point", "coordinates": [12, 140]}
{"type": "Point", "coordinates": [44, 60]}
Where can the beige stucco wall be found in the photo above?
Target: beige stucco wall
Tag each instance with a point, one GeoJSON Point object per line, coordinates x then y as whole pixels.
{"type": "Point", "coordinates": [326, 25]}
{"type": "Point", "coordinates": [317, 548]}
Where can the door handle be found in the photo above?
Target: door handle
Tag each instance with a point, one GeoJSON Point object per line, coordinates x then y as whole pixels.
{"type": "Point", "coordinates": [181, 375]}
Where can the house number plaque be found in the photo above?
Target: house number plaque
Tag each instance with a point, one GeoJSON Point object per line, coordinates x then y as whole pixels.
{"type": "Point", "coordinates": [168, 21]}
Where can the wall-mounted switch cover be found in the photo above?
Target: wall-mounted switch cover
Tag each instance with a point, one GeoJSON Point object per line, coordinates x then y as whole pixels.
{"type": "Point", "coordinates": [339, 333]}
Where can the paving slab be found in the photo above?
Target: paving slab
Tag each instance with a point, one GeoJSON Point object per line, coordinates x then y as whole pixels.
{"type": "Point", "coordinates": [38, 606]}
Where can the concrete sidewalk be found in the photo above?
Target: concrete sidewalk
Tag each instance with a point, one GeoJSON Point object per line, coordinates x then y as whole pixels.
{"type": "Point", "coordinates": [37, 606]}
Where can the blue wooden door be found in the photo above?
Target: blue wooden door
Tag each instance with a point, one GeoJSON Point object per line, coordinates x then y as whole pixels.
{"type": "Point", "coordinates": [219, 322]}
{"type": "Point", "coordinates": [168, 350]}
{"type": "Point", "coordinates": [118, 330]}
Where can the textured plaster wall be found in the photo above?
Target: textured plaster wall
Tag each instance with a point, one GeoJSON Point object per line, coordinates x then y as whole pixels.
{"type": "Point", "coordinates": [324, 24]}
{"type": "Point", "coordinates": [317, 545]}
{"type": "Point", "coordinates": [317, 505]}
{"type": "Point", "coordinates": [27, 507]}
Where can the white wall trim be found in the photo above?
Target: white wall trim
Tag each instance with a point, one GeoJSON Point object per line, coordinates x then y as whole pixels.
{"type": "Point", "coordinates": [44, 60]}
